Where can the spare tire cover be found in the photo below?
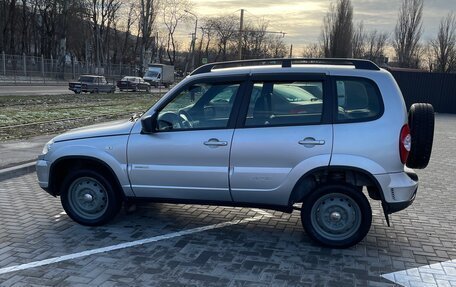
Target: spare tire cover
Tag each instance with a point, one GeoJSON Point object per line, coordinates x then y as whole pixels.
{"type": "Point", "coordinates": [421, 121]}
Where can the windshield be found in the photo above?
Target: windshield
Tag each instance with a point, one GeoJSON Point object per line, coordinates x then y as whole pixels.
{"type": "Point", "coordinates": [86, 79]}
{"type": "Point", "coordinates": [152, 74]}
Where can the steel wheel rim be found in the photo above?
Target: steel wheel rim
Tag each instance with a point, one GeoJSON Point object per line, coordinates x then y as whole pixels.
{"type": "Point", "coordinates": [336, 216]}
{"type": "Point", "coordinates": [88, 198]}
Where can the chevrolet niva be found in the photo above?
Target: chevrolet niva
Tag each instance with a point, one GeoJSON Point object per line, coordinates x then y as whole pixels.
{"type": "Point", "coordinates": [282, 134]}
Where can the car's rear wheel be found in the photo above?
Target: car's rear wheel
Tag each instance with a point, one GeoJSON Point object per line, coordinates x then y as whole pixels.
{"type": "Point", "coordinates": [89, 198]}
{"type": "Point", "coordinates": [421, 122]}
{"type": "Point", "coordinates": [336, 215]}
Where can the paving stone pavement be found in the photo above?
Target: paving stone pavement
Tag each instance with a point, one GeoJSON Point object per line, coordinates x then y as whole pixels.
{"type": "Point", "coordinates": [272, 251]}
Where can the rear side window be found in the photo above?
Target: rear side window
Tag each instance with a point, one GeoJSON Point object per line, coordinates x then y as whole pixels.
{"type": "Point", "coordinates": [285, 103]}
{"type": "Point", "coordinates": [358, 100]}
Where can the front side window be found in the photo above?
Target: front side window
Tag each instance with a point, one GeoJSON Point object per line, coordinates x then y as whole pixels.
{"type": "Point", "coordinates": [200, 106]}
{"type": "Point", "coordinates": [289, 103]}
{"type": "Point", "coordinates": [357, 99]}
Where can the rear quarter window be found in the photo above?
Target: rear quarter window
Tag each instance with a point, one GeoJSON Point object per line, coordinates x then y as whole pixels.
{"type": "Point", "coordinates": [358, 99]}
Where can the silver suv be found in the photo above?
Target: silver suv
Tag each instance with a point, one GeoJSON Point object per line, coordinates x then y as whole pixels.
{"type": "Point", "coordinates": [283, 134]}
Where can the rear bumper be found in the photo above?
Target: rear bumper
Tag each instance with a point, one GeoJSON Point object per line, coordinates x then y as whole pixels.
{"type": "Point", "coordinates": [399, 189]}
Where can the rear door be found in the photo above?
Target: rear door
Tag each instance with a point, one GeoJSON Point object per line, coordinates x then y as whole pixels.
{"type": "Point", "coordinates": [284, 129]}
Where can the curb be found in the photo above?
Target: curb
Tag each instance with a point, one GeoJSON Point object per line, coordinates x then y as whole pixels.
{"type": "Point", "coordinates": [18, 170]}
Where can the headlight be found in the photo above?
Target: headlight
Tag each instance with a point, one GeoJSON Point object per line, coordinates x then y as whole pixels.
{"type": "Point", "coordinates": [47, 146]}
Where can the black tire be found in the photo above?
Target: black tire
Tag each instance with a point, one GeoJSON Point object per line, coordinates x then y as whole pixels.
{"type": "Point", "coordinates": [421, 122]}
{"type": "Point", "coordinates": [78, 184]}
{"type": "Point", "coordinates": [345, 219]}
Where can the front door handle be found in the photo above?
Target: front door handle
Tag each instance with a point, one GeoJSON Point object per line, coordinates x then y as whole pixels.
{"type": "Point", "coordinates": [310, 142]}
{"type": "Point", "coordinates": [215, 143]}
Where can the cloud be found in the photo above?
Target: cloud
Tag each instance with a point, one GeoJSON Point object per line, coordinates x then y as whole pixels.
{"type": "Point", "coordinates": [302, 20]}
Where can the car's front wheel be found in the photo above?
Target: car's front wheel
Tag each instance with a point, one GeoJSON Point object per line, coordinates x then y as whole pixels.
{"type": "Point", "coordinates": [336, 215]}
{"type": "Point", "coordinates": [89, 198]}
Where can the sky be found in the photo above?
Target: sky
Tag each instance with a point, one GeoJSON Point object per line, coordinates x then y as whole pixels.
{"type": "Point", "coordinates": [302, 20]}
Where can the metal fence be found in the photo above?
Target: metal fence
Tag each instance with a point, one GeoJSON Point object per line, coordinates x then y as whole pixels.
{"type": "Point", "coordinates": [17, 69]}
{"type": "Point", "coordinates": [437, 89]}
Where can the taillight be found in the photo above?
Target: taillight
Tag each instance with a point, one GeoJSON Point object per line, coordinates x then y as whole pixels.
{"type": "Point", "coordinates": [405, 143]}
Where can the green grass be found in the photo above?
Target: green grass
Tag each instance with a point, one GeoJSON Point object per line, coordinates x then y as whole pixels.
{"type": "Point", "coordinates": [87, 108]}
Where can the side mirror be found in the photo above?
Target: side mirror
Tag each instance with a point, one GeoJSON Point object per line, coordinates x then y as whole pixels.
{"type": "Point", "coordinates": [149, 124]}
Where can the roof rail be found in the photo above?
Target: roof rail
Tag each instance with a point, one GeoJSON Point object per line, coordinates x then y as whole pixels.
{"type": "Point", "coordinates": [287, 62]}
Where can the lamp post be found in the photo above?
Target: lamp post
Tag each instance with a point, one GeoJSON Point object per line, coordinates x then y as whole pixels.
{"type": "Point", "coordinates": [193, 39]}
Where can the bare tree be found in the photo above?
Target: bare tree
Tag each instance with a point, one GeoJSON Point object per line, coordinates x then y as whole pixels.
{"type": "Point", "coordinates": [427, 54]}
{"type": "Point", "coordinates": [102, 14]}
{"type": "Point", "coordinates": [444, 46]}
{"type": "Point", "coordinates": [376, 44]}
{"type": "Point", "coordinates": [312, 51]}
{"type": "Point", "coordinates": [337, 32]}
{"type": "Point", "coordinates": [8, 25]}
{"type": "Point", "coordinates": [225, 30]}
{"type": "Point", "coordinates": [173, 12]}
{"type": "Point", "coordinates": [130, 17]}
{"type": "Point", "coordinates": [275, 47]}
{"type": "Point", "coordinates": [204, 40]}
{"type": "Point", "coordinates": [254, 39]}
{"type": "Point", "coordinates": [407, 33]}
{"type": "Point", "coordinates": [149, 9]}
{"type": "Point", "coordinates": [359, 41]}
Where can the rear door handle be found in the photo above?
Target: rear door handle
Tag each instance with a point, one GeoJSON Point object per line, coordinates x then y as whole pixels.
{"type": "Point", "coordinates": [310, 142]}
{"type": "Point", "coordinates": [215, 143]}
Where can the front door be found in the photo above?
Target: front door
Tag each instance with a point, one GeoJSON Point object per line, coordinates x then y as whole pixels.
{"type": "Point", "coordinates": [188, 155]}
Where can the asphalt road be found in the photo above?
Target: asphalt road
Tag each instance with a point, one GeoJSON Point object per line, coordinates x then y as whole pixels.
{"type": "Point", "coordinates": [34, 90]}
{"type": "Point", "coordinates": [42, 90]}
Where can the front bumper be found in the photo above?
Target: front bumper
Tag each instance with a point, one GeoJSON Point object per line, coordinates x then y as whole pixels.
{"type": "Point", "coordinates": [152, 82]}
{"type": "Point", "coordinates": [399, 189]}
{"type": "Point", "coordinates": [75, 89]}
{"type": "Point", "coordinates": [42, 172]}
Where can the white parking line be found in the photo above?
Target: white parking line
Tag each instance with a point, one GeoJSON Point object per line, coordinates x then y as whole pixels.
{"type": "Point", "coordinates": [72, 256]}
{"type": "Point", "coordinates": [434, 275]}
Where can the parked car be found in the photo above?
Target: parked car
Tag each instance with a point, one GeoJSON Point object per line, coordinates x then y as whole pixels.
{"type": "Point", "coordinates": [91, 84]}
{"type": "Point", "coordinates": [277, 134]}
{"type": "Point", "coordinates": [133, 84]}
